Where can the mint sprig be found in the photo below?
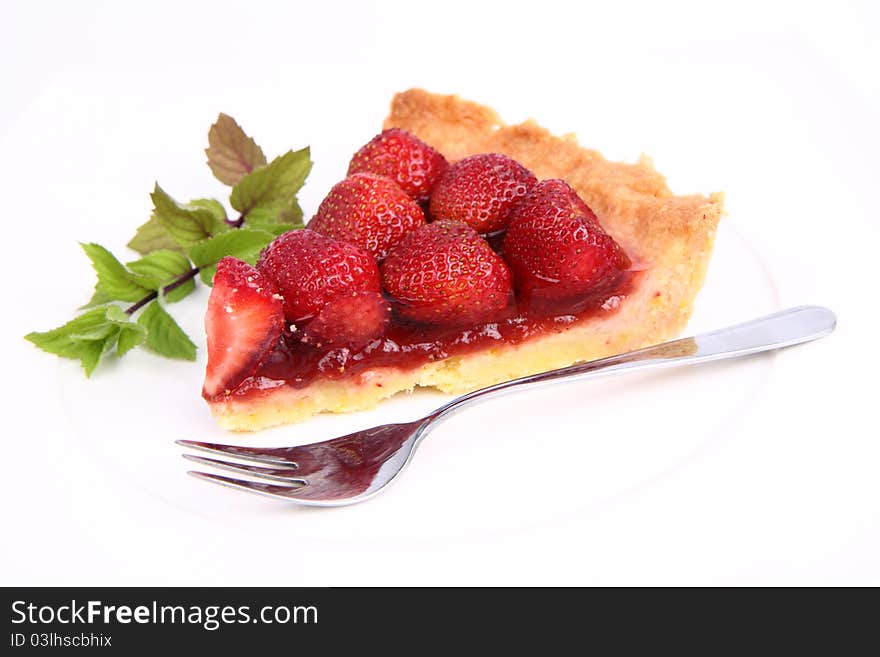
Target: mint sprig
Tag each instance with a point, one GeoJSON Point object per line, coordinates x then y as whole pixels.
{"type": "Point", "coordinates": [177, 244]}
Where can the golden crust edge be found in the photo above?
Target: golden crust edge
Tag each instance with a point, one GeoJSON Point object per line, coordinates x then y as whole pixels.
{"type": "Point", "coordinates": [671, 236]}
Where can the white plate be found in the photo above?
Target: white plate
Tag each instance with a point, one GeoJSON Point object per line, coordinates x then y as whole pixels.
{"type": "Point", "coordinates": [537, 458]}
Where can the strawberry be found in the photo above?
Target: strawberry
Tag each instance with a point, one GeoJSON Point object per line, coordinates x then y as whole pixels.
{"type": "Point", "coordinates": [349, 319]}
{"type": "Point", "coordinates": [404, 158]}
{"type": "Point", "coordinates": [245, 318]}
{"type": "Point", "coordinates": [445, 273]}
{"type": "Point", "coordinates": [367, 210]}
{"type": "Point", "coordinates": [309, 268]}
{"type": "Point", "coordinates": [481, 190]}
{"type": "Point", "coordinates": [556, 247]}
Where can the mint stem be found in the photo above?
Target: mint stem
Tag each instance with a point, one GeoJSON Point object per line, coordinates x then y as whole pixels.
{"type": "Point", "coordinates": [237, 223]}
{"type": "Point", "coordinates": [176, 283]}
{"type": "Point", "coordinates": [183, 278]}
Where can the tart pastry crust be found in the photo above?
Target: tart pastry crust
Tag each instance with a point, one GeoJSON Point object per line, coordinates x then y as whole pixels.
{"type": "Point", "coordinates": [670, 237]}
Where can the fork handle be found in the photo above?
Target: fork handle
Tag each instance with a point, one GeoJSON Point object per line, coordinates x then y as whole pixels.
{"type": "Point", "coordinates": [782, 329]}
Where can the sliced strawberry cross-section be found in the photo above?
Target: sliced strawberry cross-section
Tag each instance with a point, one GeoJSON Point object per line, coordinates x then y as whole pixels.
{"type": "Point", "coordinates": [245, 319]}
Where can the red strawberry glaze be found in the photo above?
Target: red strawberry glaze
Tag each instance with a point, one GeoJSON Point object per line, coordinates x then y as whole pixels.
{"type": "Point", "coordinates": [407, 345]}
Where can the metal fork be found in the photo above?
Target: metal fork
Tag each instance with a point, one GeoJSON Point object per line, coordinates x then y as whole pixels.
{"type": "Point", "coordinates": [356, 467]}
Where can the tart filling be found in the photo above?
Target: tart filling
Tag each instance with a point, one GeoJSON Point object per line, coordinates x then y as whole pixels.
{"type": "Point", "coordinates": [668, 240]}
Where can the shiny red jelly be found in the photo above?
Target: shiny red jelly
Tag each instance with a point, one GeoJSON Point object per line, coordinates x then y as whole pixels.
{"type": "Point", "coordinates": [407, 346]}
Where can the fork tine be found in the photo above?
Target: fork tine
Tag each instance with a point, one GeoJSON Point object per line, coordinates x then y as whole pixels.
{"type": "Point", "coordinates": [283, 475]}
{"type": "Point", "coordinates": [268, 455]}
{"type": "Point", "coordinates": [272, 490]}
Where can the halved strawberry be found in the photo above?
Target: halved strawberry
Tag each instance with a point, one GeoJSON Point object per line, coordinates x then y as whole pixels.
{"type": "Point", "coordinates": [245, 318]}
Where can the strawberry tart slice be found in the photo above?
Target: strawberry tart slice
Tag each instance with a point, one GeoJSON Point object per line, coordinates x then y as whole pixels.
{"type": "Point", "coordinates": [459, 252]}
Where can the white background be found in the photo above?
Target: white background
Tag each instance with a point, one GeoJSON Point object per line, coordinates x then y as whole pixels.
{"type": "Point", "coordinates": [755, 473]}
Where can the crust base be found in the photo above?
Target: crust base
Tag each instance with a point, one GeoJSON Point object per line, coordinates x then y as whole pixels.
{"type": "Point", "coordinates": [671, 237]}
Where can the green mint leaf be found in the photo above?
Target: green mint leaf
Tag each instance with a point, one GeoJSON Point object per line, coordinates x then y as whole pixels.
{"type": "Point", "coordinates": [244, 243]}
{"type": "Point", "coordinates": [152, 236]}
{"type": "Point", "coordinates": [99, 298]}
{"type": "Point", "coordinates": [113, 278]}
{"type": "Point", "coordinates": [63, 341]}
{"type": "Point", "coordinates": [179, 292]}
{"type": "Point", "coordinates": [218, 213]}
{"type": "Point", "coordinates": [161, 268]}
{"type": "Point", "coordinates": [272, 225]}
{"type": "Point", "coordinates": [263, 215]}
{"type": "Point", "coordinates": [129, 334]}
{"type": "Point", "coordinates": [94, 349]}
{"type": "Point", "coordinates": [164, 336]}
{"type": "Point", "coordinates": [116, 315]}
{"type": "Point", "coordinates": [231, 153]}
{"type": "Point", "coordinates": [90, 335]}
{"type": "Point", "coordinates": [280, 229]}
{"type": "Point", "coordinates": [128, 340]}
{"type": "Point", "coordinates": [99, 332]}
{"type": "Point", "coordinates": [91, 354]}
{"type": "Point", "coordinates": [269, 193]}
{"type": "Point", "coordinates": [186, 224]}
